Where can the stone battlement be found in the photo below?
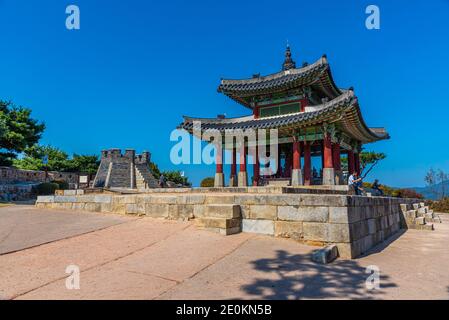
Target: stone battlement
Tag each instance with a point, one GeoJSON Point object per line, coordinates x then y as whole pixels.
{"type": "Point", "coordinates": [129, 155]}
{"type": "Point", "coordinates": [126, 170]}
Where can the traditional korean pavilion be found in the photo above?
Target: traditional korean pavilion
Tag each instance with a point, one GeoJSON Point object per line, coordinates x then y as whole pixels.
{"type": "Point", "coordinates": [313, 116]}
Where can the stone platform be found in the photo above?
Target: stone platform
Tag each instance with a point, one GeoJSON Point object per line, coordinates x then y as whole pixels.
{"type": "Point", "coordinates": [313, 216]}
{"type": "Point", "coordinates": [273, 189]}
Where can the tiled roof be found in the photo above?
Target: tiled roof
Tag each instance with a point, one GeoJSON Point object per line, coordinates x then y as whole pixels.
{"type": "Point", "coordinates": [318, 72]}
{"type": "Point", "coordinates": [344, 109]}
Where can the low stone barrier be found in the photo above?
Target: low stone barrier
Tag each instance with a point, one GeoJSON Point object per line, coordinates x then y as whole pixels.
{"type": "Point", "coordinates": [419, 216]}
{"type": "Point", "coordinates": [353, 223]}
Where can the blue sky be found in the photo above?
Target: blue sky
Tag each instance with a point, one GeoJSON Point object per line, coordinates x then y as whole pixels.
{"type": "Point", "coordinates": [135, 67]}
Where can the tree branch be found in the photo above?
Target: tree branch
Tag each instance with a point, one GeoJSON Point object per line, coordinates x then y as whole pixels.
{"type": "Point", "coordinates": [369, 170]}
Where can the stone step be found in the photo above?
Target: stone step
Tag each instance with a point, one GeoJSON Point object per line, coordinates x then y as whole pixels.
{"type": "Point", "coordinates": [422, 211]}
{"type": "Point", "coordinates": [429, 215]}
{"type": "Point", "coordinates": [144, 177]}
{"type": "Point", "coordinates": [435, 219]}
{"type": "Point", "coordinates": [420, 221]}
{"type": "Point", "coordinates": [220, 225]}
{"type": "Point", "coordinates": [428, 227]}
{"type": "Point", "coordinates": [412, 214]}
{"type": "Point", "coordinates": [227, 211]}
{"type": "Point", "coordinates": [277, 183]}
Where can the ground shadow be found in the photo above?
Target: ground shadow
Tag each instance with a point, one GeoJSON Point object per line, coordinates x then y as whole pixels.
{"type": "Point", "coordinates": [295, 276]}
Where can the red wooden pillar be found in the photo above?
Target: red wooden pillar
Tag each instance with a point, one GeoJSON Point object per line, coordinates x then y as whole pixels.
{"type": "Point", "coordinates": [296, 155]}
{"type": "Point", "coordinates": [279, 165]}
{"type": "Point", "coordinates": [219, 179]}
{"type": "Point", "coordinates": [327, 152]}
{"type": "Point", "coordinates": [243, 176]}
{"type": "Point", "coordinates": [256, 168]}
{"type": "Point", "coordinates": [357, 162]}
{"type": "Point", "coordinates": [219, 160]}
{"type": "Point", "coordinates": [351, 159]}
{"type": "Point", "coordinates": [243, 158]}
{"type": "Point", "coordinates": [296, 174]}
{"type": "Point", "coordinates": [336, 156]}
{"type": "Point", "coordinates": [328, 169]}
{"type": "Point", "coordinates": [307, 164]}
{"type": "Point", "coordinates": [234, 162]}
{"type": "Point", "coordinates": [322, 154]}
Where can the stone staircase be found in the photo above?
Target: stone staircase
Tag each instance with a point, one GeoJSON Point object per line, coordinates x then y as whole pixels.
{"type": "Point", "coordinates": [119, 175]}
{"type": "Point", "coordinates": [278, 182]}
{"type": "Point", "coordinates": [144, 177]}
{"type": "Point", "coordinates": [223, 218]}
{"type": "Point", "coordinates": [419, 216]}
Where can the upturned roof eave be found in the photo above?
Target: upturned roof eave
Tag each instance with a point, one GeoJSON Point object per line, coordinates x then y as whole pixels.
{"type": "Point", "coordinates": [316, 73]}
{"type": "Point", "coordinates": [344, 109]}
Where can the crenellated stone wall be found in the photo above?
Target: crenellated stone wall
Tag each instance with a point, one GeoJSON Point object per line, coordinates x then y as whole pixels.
{"type": "Point", "coordinates": [354, 223]}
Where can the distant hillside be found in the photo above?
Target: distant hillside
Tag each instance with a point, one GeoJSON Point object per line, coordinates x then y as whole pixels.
{"type": "Point", "coordinates": [429, 193]}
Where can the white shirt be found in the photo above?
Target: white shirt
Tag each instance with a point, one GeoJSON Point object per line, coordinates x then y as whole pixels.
{"type": "Point", "coordinates": [351, 180]}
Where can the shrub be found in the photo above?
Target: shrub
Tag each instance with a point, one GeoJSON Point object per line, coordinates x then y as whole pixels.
{"type": "Point", "coordinates": [155, 170]}
{"type": "Point", "coordinates": [407, 193]}
{"type": "Point", "coordinates": [46, 188]}
{"type": "Point", "coordinates": [208, 182]}
{"type": "Point", "coordinates": [367, 185]}
{"type": "Point", "coordinates": [388, 191]}
{"type": "Point", "coordinates": [440, 205]}
{"type": "Point", "coordinates": [62, 185]}
{"type": "Point", "coordinates": [175, 176]}
{"type": "Point", "coordinates": [397, 193]}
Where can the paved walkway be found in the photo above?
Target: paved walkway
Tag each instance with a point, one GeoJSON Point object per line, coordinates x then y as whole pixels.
{"type": "Point", "coordinates": [123, 257]}
{"type": "Point", "coordinates": [24, 227]}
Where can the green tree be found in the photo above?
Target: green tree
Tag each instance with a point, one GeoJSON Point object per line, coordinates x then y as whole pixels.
{"type": "Point", "coordinates": [58, 160]}
{"type": "Point", "coordinates": [436, 181]}
{"type": "Point", "coordinates": [207, 182]}
{"type": "Point", "coordinates": [368, 160]}
{"type": "Point", "coordinates": [33, 159]}
{"type": "Point", "coordinates": [176, 177]}
{"type": "Point", "coordinates": [84, 163]}
{"type": "Point", "coordinates": [155, 170]}
{"type": "Point", "coordinates": [431, 181]}
{"type": "Point", "coordinates": [2, 127]}
{"type": "Point", "coordinates": [173, 176]}
{"type": "Point", "coordinates": [18, 131]}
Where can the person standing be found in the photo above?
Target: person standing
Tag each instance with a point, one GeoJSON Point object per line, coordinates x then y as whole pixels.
{"type": "Point", "coordinates": [162, 181]}
{"type": "Point", "coordinates": [355, 182]}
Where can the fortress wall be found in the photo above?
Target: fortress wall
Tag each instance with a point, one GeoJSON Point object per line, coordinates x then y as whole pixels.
{"type": "Point", "coordinates": [9, 175]}
{"type": "Point", "coordinates": [354, 223]}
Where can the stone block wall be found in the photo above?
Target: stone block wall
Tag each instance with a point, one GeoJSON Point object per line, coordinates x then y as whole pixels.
{"type": "Point", "coordinates": [353, 223]}
{"type": "Point", "coordinates": [14, 192]}
{"type": "Point", "coordinates": [11, 175]}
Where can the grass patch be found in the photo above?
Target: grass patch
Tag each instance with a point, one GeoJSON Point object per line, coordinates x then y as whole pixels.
{"type": "Point", "coordinates": [4, 204]}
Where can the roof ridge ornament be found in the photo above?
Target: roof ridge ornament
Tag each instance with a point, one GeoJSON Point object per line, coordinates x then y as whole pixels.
{"type": "Point", "coordinates": [288, 62]}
